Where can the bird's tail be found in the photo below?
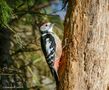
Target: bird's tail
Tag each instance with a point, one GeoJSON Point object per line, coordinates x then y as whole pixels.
{"type": "Point", "coordinates": [55, 75]}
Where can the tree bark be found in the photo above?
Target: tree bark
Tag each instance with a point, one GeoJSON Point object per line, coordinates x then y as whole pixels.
{"type": "Point", "coordinates": [86, 55]}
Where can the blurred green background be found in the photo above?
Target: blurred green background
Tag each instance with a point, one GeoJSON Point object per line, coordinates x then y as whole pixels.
{"type": "Point", "coordinates": [21, 18]}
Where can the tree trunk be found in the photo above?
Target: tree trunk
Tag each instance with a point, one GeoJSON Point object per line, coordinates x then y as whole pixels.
{"type": "Point", "coordinates": [5, 59]}
{"type": "Point", "coordinates": [86, 54]}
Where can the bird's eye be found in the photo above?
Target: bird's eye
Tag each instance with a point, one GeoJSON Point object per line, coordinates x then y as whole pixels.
{"type": "Point", "coordinates": [46, 25]}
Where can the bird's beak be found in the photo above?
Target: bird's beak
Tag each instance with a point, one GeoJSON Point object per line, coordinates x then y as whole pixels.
{"type": "Point", "coordinates": [52, 24]}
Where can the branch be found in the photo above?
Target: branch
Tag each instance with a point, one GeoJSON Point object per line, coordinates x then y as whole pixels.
{"type": "Point", "coordinates": [35, 7]}
{"type": "Point", "coordinates": [32, 9]}
{"type": "Point", "coordinates": [25, 50]}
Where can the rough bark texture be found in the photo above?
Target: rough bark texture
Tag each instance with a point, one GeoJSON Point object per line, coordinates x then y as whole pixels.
{"type": "Point", "coordinates": [87, 51]}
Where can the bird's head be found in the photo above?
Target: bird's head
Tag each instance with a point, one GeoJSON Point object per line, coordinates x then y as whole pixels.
{"type": "Point", "coordinates": [46, 27]}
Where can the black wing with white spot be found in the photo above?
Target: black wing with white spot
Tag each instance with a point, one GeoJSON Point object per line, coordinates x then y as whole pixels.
{"type": "Point", "coordinates": [49, 47]}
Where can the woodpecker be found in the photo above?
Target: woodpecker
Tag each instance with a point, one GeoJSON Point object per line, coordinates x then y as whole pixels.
{"type": "Point", "coordinates": [51, 47]}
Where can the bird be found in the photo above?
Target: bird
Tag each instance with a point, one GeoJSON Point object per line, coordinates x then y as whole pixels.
{"type": "Point", "coordinates": [51, 47]}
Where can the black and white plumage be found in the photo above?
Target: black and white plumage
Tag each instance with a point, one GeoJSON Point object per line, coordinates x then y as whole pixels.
{"type": "Point", "coordinates": [48, 44]}
{"type": "Point", "coordinates": [49, 47]}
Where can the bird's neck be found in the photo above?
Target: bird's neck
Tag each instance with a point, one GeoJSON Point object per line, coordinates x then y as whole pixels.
{"type": "Point", "coordinates": [43, 33]}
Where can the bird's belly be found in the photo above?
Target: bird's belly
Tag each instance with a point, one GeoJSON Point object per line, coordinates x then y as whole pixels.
{"type": "Point", "coordinates": [58, 47]}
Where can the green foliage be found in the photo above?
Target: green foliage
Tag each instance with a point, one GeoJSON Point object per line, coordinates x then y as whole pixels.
{"type": "Point", "coordinates": [34, 57]}
{"type": "Point", "coordinates": [14, 3]}
{"type": "Point", "coordinates": [28, 19]}
{"type": "Point", "coordinates": [5, 13]}
{"type": "Point", "coordinates": [30, 2]}
{"type": "Point", "coordinates": [41, 1]}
